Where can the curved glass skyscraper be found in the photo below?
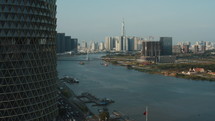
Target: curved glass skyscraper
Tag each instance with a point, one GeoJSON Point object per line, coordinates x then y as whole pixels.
{"type": "Point", "coordinates": [27, 60]}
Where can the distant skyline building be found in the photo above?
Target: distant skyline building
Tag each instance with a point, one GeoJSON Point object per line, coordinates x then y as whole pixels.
{"type": "Point", "coordinates": [74, 44]}
{"type": "Point", "coordinates": [124, 40]}
{"type": "Point", "coordinates": [101, 46]}
{"type": "Point", "coordinates": [201, 43]}
{"type": "Point", "coordinates": [176, 49]}
{"type": "Point", "coordinates": [28, 72]}
{"type": "Point", "coordinates": [138, 43]}
{"type": "Point", "coordinates": [60, 43]}
{"type": "Point", "coordinates": [123, 28]}
{"type": "Point", "coordinates": [185, 49]}
{"type": "Point", "coordinates": [93, 46]}
{"type": "Point", "coordinates": [96, 46]}
{"type": "Point", "coordinates": [166, 45]}
{"type": "Point", "coordinates": [210, 45]}
{"type": "Point", "coordinates": [66, 43]}
{"type": "Point", "coordinates": [110, 43]}
{"type": "Point", "coordinates": [159, 51]}
{"type": "Point", "coordinates": [84, 44]}
{"type": "Point", "coordinates": [151, 48]}
{"type": "Point", "coordinates": [118, 43]}
{"type": "Point", "coordinates": [202, 46]}
{"type": "Point", "coordinates": [130, 43]}
{"type": "Point", "coordinates": [123, 43]}
{"type": "Point", "coordinates": [196, 49]}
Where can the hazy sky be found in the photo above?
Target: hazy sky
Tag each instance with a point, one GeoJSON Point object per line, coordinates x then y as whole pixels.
{"type": "Point", "coordinates": [184, 20]}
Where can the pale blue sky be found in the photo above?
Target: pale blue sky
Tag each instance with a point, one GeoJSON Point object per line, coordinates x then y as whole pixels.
{"type": "Point", "coordinates": [184, 20]}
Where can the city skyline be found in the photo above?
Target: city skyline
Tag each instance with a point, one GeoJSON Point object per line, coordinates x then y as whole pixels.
{"type": "Point", "coordinates": [182, 20]}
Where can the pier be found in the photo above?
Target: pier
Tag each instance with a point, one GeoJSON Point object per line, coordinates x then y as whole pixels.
{"type": "Point", "coordinates": [89, 98]}
{"type": "Point", "coordinates": [70, 80]}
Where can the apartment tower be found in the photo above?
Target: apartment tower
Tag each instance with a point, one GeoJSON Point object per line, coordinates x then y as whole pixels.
{"type": "Point", "coordinates": [28, 60]}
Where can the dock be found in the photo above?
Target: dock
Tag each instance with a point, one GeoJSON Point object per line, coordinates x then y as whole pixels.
{"type": "Point", "coordinates": [89, 98]}
{"type": "Point", "coordinates": [70, 80]}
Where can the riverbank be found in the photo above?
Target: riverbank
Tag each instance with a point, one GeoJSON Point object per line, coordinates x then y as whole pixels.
{"type": "Point", "coordinates": [178, 70]}
{"type": "Point", "coordinates": [70, 108]}
{"type": "Point", "coordinates": [73, 107]}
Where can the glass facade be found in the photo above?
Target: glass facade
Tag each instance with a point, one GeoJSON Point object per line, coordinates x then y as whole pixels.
{"type": "Point", "coordinates": [28, 60]}
{"type": "Point", "coordinates": [166, 45]}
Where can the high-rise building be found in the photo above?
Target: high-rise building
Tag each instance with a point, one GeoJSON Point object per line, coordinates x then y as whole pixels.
{"type": "Point", "coordinates": [201, 46]}
{"type": "Point", "coordinates": [92, 46]}
{"type": "Point", "coordinates": [151, 48]}
{"type": "Point", "coordinates": [123, 43]}
{"type": "Point", "coordinates": [185, 49]}
{"type": "Point", "coordinates": [28, 60]}
{"type": "Point", "coordinates": [66, 43]}
{"type": "Point", "coordinates": [152, 52]}
{"type": "Point", "coordinates": [123, 29]}
{"type": "Point", "coordinates": [196, 49]}
{"type": "Point", "coordinates": [210, 45]}
{"type": "Point", "coordinates": [166, 45]}
{"type": "Point", "coordinates": [124, 40]}
{"type": "Point", "coordinates": [176, 49]}
{"type": "Point", "coordinates": [130, 43]}
{"type": "Point", "coordinates": [74, 44]}
{"type": "Point", "coordinates": [109, 43]}
{"type": "Point", "coordinates": [118, 43]}
{"type": "Point", "coordinates": [201, 43]}
{"type": "Point", "coordinates": [84, 45]}
{"type": "Point", "coordinates": [101, 46]}
{"type": "Point", "coordinates": [96, 45]}
{"type": "Point", "coordinates": [61, 43]}
{"type": "Point", "coordinates": [138, 43]}
{"type": "Point", "coordinates": [184, 43]}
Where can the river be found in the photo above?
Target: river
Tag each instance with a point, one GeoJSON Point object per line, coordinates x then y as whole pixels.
{"type": "Point", "coordinates": [167, 98]}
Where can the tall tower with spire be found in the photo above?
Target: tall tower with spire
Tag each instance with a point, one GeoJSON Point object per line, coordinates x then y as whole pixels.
{"type": "Point", "coordinates": [123, 28]}
{"type": "Point", "coordinates": [124, 43]}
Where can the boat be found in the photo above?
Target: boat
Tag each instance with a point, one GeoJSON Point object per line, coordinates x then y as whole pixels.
{"type": "Point", "coordinates": [105, 64]}
{"type": "Point", "coordinates": [81, 63]}
{"type": "Point", "coordinates": [69, 79]}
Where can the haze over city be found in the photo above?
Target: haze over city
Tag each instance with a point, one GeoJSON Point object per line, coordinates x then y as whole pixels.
{"type": "Point", "coordinates": [183, 20]}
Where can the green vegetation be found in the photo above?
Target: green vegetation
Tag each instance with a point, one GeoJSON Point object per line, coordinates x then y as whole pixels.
{"type": "Point", "coordinates": [189, 61]}
{"type": "Point", "coordinates": [186, 66]}
{"type": "Point", "coordinates": [195, 77]}
{"type": "Point", "coordinates": [123, 56]}
{"type": "Point", "coordinates": [151, 71]}
{"type": "Point", "coordinates": [207, 55]}
{"type": "Point", "coordinates": [114, 62]}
